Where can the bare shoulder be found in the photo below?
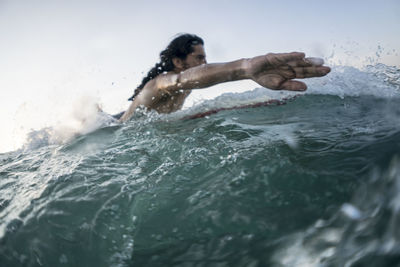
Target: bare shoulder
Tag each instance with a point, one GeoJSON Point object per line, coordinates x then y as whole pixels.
{"type": "Point", "coordinates": [167, 82]}
{"type": "Point", "coordinates": [157, 88]}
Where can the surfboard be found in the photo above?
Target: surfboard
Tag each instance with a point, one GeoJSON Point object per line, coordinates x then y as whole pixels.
{"type": "Point", "coordinates": [272, 102]}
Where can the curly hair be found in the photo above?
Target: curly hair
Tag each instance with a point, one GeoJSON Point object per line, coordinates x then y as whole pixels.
{"type": "Point", "coordinates": [179, 47]}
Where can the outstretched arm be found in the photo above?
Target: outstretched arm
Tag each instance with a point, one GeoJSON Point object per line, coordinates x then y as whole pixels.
{"type": "Point", "coordinates": [273, 71]}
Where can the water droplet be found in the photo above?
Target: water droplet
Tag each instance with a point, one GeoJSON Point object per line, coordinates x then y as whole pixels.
{"type": "Point", "coordinates": [63, 259]}
{"type": "Point", "coordinates": [351, 211]}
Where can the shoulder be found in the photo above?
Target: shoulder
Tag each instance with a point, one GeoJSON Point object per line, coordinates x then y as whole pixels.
{"type": "Point", "coordinates": [167, 81]}
{"type": "Point", "coordinates": [159, 86]}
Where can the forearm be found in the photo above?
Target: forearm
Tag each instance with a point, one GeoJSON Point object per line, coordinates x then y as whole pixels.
{"type": "Point", "coordinates": [206, 75]}
{"type": "Point", "coordinates": [128, 113]}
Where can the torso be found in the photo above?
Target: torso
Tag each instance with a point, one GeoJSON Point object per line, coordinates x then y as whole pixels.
{"type": "Point", "coordinates": [170, 103]}
{"type": "Point", "coordinates": [154, 98]}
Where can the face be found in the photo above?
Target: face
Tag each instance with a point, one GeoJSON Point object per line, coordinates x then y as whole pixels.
{"type": "Point", "coordinates": [196, 58]}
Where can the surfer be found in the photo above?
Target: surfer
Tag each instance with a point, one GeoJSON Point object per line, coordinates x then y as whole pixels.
{"type": "Point", "coordinates": [183, 67]}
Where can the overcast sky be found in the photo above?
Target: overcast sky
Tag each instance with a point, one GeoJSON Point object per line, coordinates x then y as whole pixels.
{"type": "Point", "coordinates": [53, 52]}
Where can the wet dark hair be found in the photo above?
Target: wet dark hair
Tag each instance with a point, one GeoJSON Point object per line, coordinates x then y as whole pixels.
{"type": "Point", "coordinates": [179, 47]}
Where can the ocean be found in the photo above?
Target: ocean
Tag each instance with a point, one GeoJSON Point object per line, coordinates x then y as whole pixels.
{"type": "Point", "coordinates": [313, 180]}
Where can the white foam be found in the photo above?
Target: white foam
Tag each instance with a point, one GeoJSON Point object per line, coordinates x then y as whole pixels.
{"type": "Point", "coordinates": [378, 80]}
{"type": "Point", "coordinates": [84, 117]}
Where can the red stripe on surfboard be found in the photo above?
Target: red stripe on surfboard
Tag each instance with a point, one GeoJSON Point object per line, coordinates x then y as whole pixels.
{"type": "Point", "coordinates": [255, 105]}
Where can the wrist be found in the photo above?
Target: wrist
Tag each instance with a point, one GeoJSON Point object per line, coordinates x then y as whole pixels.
{"type": "Point", "coordinates": [245, 66]}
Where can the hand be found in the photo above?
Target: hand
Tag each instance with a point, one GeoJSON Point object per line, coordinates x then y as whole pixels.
{"type": "Point", "coordinates": [277, 71]}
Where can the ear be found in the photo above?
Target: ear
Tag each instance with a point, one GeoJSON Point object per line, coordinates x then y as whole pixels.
{"type": "Point", "coordinates": [178, 63]}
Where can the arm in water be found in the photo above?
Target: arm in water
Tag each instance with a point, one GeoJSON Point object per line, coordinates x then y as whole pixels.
{"type": "Point", "coordinates": [273, 71]}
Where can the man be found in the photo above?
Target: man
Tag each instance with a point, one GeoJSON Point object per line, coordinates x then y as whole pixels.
{"type": "Point", "coordinates": [183, 67]}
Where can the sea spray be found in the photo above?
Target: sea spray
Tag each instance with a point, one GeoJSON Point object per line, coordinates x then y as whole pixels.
{"type": "Point", "coordinates": [240, 187]}
{"type": "Point", "coordinates": [83, 117]}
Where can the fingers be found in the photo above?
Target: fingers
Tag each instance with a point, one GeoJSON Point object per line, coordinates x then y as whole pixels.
{"type": "Point", "coordinates": [300, 72]}
{"type": "Point", "coordinates": [277, 71]}
{"type": "Point", "coordinates": [307, 62]}
{"type": "Point", "coordinates": [315, 61]}
{"type": "Point", "coordinates": [284, 58]}
{"type": "Point", "coordinates": [289, 72]}
{"type": "Point", "coordinates": [314, 71]}
{"type": "Point", "coordinates": [293, 86]}
{"type": "Point", "coordinates": [277, 82]}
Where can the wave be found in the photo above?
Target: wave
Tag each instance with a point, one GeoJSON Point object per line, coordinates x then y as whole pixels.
{"type": "Point", "coordinates": [241, 187]}
{"type": "Point", "coordinates": [364, 232]}
{"type": "Point", "coordinates": [379, 80]}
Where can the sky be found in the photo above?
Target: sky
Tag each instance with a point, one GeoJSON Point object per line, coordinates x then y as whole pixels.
{"type": "Point", "coordinates": [58, 56]}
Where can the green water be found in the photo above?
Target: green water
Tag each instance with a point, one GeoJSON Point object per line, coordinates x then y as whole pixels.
{"type": "Point", "coordinates": [314, 182]}
{"type": "Point", "coordinates": [237, 188]}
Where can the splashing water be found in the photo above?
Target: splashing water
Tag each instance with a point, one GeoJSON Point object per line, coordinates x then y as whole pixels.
{"type": "Point", "coordinates": [314, 182]}
{"type": "Point", "coordinates": [362, 233]}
